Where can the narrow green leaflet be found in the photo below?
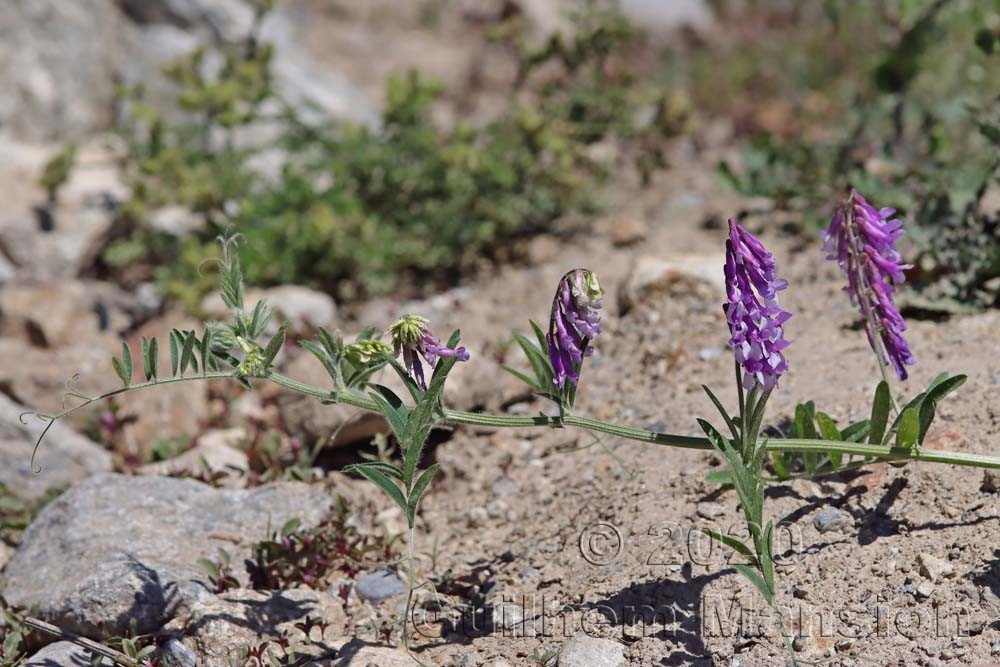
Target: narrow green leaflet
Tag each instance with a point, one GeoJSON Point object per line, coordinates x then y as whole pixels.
{"type": "Point", "coordinates": [330, 342]}
{"type": "Point", "coordinates": [231, 277]}
{"type": "Point", "coordinates": [857, 431]}
{"type": "Point", "coordinates": [411, 386]}
{"type": "Point", "coordinates": [259, 318]}
{"type": "Point", "coordinates": [390, 470]}
{"type": "Point", "coordinates": [145, 359]}
{"type": "Point", "coordinates": [419, 488]}
{"type": "Point", "coordinates": [722, 411]}
{"type": "Point", "coordinates": [937, 391]}
{"type": "Point", "coordinates": [766, 555]}
{"type": "Point", "coordinates": [543, 343]}
{"type": "Point", "coordinates": [123, 366]}
{"type": "Point", "coordinates": [381, 481]}
{"type": "Point", "coordinates": [754, 578]}
{"type": "Point", "coordinates": [274, 345]}
{"type": "Point", "coordinates": [363, 377]}
{"type": "Point", "coordinates": [732, 543]}
{"type": "Point", "coordinates": [394, 413]}
{"type": "Point", "coordinates": [323, 357]}
{"type": "Point", "coordinates": [174, 351]}
{"type": "Point", "coordinates": [719, 477]}
{"type": "Point", "coordinates": [828, 429]}
{"type": "Point", "coordinates": [522, 377]}
{"type": "Point", "coordinates": [909, 428]}
{"type": "Point", "coordinates": [120, 370]}
{"type": "Point", "coordinates": [539, 362]}
{"type": "Point", "coordinates": [153, 358]}
{"type": "Point", "coordinates": [880, 414]}
{"type": "Point", "coordinates": [805, 428]}
{"type": "Point", "coordinates": [204, 350]}
{"type": "Point", "coordinates": [187, 351]}
{"type": "Point", "coordinates": [738, 472]}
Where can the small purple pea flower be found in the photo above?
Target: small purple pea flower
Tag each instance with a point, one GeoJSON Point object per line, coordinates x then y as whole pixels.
{"type": "Point", "coordinates": [755, 319]}
{"type": "Point", "coordinates": [411, 336]}
{"type": "Point", "coordinates": [574, 323]}
{"type": "Point", "coordinates": [862, 240]}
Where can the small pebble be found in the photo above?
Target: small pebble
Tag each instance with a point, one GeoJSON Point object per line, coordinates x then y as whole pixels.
{"type": "Point", "coordinates": [830, 519]}
{"type": "Point", "coordinates": [710, 510]}
{"type": "Point", "coordinates": [379, 586]}
{"type": "Point", "coordinates": [934, 568]}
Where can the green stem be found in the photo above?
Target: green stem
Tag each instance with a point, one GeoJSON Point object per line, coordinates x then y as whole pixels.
{"type": "Point", "coordinates": [666, 439]}
{"type": "Point", "coordinates": [639, 435]}
{"type": "Point", "coordinates": [89, 400]}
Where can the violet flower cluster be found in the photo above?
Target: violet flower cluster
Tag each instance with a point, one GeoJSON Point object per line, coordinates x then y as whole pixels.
{"type": "Point", "coordinates": [575, 322]}
{"type": "Point", "coordinates": [755, 319]}
{"type": "Point", "coordinates": [863, 242]}
{"type": "Point", "coordinates": [411, 336]}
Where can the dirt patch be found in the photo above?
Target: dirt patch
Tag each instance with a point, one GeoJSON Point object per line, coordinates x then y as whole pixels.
{"type": "Point", "coordinates": [563, 536]}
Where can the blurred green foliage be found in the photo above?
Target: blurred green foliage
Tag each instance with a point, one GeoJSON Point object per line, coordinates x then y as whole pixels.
{"type": "Point", "coordinates": [918, 132]}
{"type": "Point", "coordinates": [358, 211]}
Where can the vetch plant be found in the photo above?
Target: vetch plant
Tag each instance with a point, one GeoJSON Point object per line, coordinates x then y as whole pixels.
{"type": "Point", "coordinates": [755, 321]}
{"type": "Point", "coordinates": [862, 240]}
{"type": "Point", "coordinates": [574, 323]}
{"type": "Point", "coordinates": [240, 349]}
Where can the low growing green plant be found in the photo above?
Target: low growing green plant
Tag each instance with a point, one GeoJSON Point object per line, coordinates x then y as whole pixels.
{"type": "Point", "coordinates": [920, 135]}
{"type": "Point", "coordinates": [356, 210]}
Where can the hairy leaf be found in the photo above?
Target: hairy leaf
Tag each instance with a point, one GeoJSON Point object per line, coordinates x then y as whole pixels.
{"type": "Point", "coordinates": [381, 481]}
{"type": "Point", "coordinates": [274, 345]}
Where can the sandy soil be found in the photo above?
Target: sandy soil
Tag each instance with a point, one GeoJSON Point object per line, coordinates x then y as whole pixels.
{"type": "Point", "coordinates": [561, 540]}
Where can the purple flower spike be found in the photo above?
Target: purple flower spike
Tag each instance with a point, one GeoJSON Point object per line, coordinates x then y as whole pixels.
{"type": "Point", "coordinates": [411, 336]}
{"type": "Point", "coordinates": [752, 311]}
{"type": "Point", "coordinates": [863, 242]}
{"type": "Point", "coordinates": [575, 322]}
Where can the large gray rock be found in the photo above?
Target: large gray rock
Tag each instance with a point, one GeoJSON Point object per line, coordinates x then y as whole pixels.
{"type": "Point", "coordinates": [57, 62]}
{"type": "Point", "coordinates": [167, 29]}
{"type": "Point", "coordinates": [59, 240]}
{"type": "Point", "coordinates": [216, 451]}
{"type": "Point", "coordinates": [63, 458]}
{"type": "Point", "coordinates": [217, 627]}
{"type": "Point", "coordinates": [63, 313]}
{"type": "Point", "coordinates": [225, 20]}
{"type": "Point", "coordinates": [116, 548]}
{"type": "Point", "coordinates": [60, 654]}
{"type": "Point", "coordinates": [654, 281]}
